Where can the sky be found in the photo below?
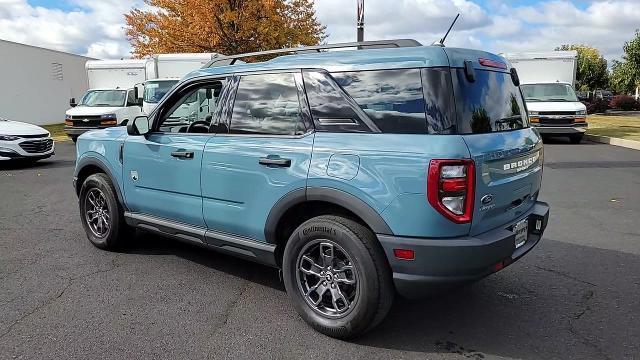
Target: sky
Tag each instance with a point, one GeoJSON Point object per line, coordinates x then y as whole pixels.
{"type": "Point", "coordinates": [96, 27]}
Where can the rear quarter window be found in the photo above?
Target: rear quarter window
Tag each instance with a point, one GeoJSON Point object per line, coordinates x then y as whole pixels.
{"type": "Point", "coordinates": [490, 104]}
{"type": "Point", "coordinates": [392, 99]}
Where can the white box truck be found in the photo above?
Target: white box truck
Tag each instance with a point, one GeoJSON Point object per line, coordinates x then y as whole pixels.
{"type": "Point", "coordinates": [111, 99]}
{"type": "Point", "coordinates": [114, 96]}
{"type": "Point", "coordinates": [166, 71]}
{"type": "Point", "coordinates": [547, 81]}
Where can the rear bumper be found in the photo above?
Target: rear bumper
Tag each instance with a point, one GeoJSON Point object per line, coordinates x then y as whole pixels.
{"type": "Point", "coordinates": [575, 129]}
{"type": "Point", "coordinates": [441, 263]}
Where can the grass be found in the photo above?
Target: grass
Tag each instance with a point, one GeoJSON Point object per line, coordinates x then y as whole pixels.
{"type": "Point", "coordinates": [623, 127]}
{"type": "Point", "coordinates": [57, 132]}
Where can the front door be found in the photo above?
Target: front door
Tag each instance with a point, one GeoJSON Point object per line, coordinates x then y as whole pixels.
{"type": "Point", "coordinates": [262, 151]}
{"type": "Point", "coordinates": [162, 169]}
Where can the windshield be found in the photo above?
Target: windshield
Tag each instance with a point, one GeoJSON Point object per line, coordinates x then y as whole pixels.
{"type": "Point", "coordinates": [154, 91]}
{"type": "Point", "coordinates": [104, 98]}
{"type": "Point", "coordinates": [548, 92]}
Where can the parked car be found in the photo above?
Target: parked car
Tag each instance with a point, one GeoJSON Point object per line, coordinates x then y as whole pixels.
{"type": "Point", "coordinates": [583, 96]}
{"type": "Point", "coordinates": [23, 141]}
{"type": "Point", "coordinates": [605, 95]}
{"type": "Point", "coordinates": [360, 173]}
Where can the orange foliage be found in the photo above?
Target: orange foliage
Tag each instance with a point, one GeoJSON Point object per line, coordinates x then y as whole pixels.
{"type": "Point", "coordinates": [222, 26]}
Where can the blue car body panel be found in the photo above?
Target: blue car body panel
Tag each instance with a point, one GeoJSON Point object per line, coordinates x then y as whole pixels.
{"type": "Point", "coordinates": [392, 169]}
{"type": "Point", "coordinates": [102, 147]}
{"type": "Point", "coordinates": [159, 184]}
{"type": "Point", "coordinates": [238, 193]}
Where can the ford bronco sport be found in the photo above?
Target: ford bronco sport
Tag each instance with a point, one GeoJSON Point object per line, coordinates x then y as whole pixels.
{"type": "Point", "coordinates": [392, 167]}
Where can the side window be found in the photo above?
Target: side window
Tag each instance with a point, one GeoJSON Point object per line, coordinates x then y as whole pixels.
{"type": "Point", "coordinates": [131, 99]}
{"type": "Point", "coordinates": [393, 99]}
{"type": "Point", "coordinates": [266, 104]}
{"type": "Point", "coordinates": [330, 110]}
{"type": "Point", "coordinates": [196, 104]}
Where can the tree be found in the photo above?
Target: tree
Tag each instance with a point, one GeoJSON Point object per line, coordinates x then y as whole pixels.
{"type": "Point", "coordinates": [625, 74]}
{"type": "Point", "coordinates": [592, 71]}
{"type": "Point", "coordinates": [222, 26]}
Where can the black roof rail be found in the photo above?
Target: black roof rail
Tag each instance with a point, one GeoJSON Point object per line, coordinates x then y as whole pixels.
{"type": "Point", "coordinates": [376, 44]}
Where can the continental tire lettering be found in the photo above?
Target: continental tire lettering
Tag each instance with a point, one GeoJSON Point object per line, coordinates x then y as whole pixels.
{"type": "Point", "coordinates": [324, 229]}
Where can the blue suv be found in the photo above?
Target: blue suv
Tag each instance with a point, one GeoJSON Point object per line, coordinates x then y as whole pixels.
{"type": "Point", "coordinates": [389, 168]}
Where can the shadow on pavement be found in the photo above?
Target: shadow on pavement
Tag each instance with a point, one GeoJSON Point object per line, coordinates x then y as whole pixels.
{"type": "Point", "coordinates": [511, 313]}
{"type": "Point", "coordinates": [151, 244]}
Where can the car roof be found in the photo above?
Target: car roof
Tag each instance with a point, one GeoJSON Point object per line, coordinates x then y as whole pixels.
{"type": "Point", "coordinates": [353, 60]}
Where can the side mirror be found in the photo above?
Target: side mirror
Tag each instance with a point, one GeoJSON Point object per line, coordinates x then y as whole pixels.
{"type": "Point", "coordinates": [139, 126]}
{"type": "Point", "coordinates": [72, 102]}
{"type": "Point", "coordinates": [138, 90]}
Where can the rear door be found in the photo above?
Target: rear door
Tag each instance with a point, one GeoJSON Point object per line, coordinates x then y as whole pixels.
{"type": "Point", "coordinates": [507, 153]}
{"type": "Point", "coordinates": [261, 152]}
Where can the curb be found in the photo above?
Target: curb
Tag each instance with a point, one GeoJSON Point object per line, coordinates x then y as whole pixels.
{"type": "Point", "coordinates": [629, 144]}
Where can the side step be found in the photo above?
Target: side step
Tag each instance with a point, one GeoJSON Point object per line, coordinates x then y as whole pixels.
{"type": "Point", "coordinates": [243, 247]}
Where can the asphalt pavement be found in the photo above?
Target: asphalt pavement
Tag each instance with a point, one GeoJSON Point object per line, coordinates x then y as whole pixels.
{"type": "Point", "coordinates": [576, 295]}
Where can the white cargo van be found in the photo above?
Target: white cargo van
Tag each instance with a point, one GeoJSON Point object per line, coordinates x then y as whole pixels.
{"type": "Point", "coordinates": [547, 81]}
{"type": "Point", "coordinates": [111, 99]}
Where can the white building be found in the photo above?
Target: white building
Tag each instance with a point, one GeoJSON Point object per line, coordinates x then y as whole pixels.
{"type": "Point", "coordinates": [37, 83]}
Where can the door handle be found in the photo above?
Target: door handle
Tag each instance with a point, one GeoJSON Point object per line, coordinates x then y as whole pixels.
{"type": "Point", "coordinates": [275, 161]}
{"type": "Point", "coordinates": [183, 154]}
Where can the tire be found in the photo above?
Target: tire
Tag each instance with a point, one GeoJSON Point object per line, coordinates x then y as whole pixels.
{"type": "Point", "coordinates": [575, 139]}
{"type": "Point", "coordinates": [74, 138]}
{"type": "Point", "coordinates": [369, 299]}
{"type": "Point", "coordinates": [107, 232]}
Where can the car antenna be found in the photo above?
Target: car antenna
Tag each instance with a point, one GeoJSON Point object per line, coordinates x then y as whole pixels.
{"type": "Point", "coordinates": [441, 42]}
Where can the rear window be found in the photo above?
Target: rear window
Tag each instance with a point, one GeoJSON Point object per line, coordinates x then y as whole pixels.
{"type": "Point", "coordinates": [492, 103]}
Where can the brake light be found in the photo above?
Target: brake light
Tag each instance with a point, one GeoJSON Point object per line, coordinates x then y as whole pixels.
{"type": "Point", "coordinates": [450, 188]}
{"type": "Point", "coordinates": [492, 63]}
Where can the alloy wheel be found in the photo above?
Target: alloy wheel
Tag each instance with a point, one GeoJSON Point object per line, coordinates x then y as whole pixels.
{"type": "Point", "coordinates": [97, 213]}
{"type": "Point", "coordinates": [326, 277]}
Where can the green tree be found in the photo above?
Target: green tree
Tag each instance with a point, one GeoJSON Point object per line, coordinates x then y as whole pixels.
{"type": "Point", "coordinates": [222, 26]}
{"type": "Point", "coordinates": [625, 74]}
{"type": "Point", "coordinates": [592, 71]}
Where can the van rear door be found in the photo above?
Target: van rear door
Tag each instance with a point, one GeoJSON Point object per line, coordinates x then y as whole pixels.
{"type": "Point", "coordinates": [508, 154]}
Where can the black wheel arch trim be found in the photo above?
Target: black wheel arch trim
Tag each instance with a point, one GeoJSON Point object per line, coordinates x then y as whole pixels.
{"type": "Point", "coordinates": [93, 161]}
{"type": "Point", "coordinates": [331, 195]}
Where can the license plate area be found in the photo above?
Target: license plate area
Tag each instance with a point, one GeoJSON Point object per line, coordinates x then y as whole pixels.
{"type": "Point", "coordinates": [521, 229]}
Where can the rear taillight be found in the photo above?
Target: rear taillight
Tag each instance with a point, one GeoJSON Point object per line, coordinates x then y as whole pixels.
{"type": "Point", "coordinates": [450, 188]}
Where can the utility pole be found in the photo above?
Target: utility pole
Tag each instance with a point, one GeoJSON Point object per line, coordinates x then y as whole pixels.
{"type": "Point", "coordinates": [360, 20]}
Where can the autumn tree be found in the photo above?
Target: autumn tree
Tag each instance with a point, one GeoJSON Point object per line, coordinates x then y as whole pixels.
{"type": "Point", "coordinates": [592, 71]}
{"type": "Point", "coordinates": [222, 26]}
